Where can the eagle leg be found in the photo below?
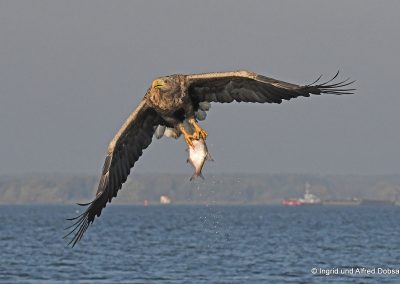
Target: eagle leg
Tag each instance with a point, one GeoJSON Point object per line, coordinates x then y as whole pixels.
{"type": "Point", "coordinates": [198, 131]}
{"type": "Point", "coordinates": [188, 137]}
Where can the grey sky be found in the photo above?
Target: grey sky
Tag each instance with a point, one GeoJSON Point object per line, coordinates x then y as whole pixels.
{"type": "Point", "coordinates": [72, 71]}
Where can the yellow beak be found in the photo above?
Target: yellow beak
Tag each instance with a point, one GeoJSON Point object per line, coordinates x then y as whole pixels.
{"type": "Point", "coordinates": [158, 84]}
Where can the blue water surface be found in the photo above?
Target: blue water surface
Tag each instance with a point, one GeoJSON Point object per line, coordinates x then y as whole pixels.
{"type": "Point", "coordinates": [201, 244]}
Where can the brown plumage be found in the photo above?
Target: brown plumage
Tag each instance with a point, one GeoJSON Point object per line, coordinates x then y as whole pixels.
{"type": "Point", "coordinates": [174, 102]}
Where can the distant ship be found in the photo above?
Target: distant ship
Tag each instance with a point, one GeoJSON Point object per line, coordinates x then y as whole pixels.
{"type": "Point", "coordinates": [308, 199]}
{"type": "Point", "coordinates": [165, 199]}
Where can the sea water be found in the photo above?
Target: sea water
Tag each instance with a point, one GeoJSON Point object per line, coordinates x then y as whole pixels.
{"type": "Point", "coordinates": [203, 244]}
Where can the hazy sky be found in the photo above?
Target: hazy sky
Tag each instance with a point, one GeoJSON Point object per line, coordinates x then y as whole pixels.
{"type": "Point", "coordinates": [72, 71]}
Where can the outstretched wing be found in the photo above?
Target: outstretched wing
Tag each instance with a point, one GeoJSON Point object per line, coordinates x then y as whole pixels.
{"type": "Point", "coordinates": [123, 151]}
{"type": "Point", "coordinates": [245, 86]}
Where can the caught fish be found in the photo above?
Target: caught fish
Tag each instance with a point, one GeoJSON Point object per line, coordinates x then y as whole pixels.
{"type": "Point", "coordinates": [198, 154]}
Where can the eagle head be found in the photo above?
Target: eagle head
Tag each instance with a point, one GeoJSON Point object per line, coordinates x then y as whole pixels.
{"type": "Point", "coordinates": [165, 84]}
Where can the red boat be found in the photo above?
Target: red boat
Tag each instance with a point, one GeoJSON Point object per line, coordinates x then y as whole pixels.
{"type": "Point", "coordinates": [308, 199]}
{"type": "Point", "coordinates": [291, 202]}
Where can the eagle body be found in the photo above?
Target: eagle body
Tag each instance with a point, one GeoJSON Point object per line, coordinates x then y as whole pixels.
{"type": "Point", "coordinates": [172, 107]}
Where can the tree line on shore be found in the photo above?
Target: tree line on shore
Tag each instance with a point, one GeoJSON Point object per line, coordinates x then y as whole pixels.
{"type": "Point", "coordinates": [216, 189]}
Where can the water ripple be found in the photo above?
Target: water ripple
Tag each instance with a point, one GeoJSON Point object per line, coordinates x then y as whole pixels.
{"type": "Point", "coordinates": [199, 244]}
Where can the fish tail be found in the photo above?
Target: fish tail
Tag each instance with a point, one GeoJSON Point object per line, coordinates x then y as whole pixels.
{"type": "Point", "coordinates": [197, 175]}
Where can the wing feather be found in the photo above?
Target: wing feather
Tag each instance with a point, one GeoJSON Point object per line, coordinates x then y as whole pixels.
{"type": "Point", "coordinates": [245, 86]}
{"type": "Point", "coordinates": [123, 152]}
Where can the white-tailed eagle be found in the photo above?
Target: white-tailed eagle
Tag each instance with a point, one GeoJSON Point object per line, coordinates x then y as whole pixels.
{"type": "Point", "coordinates": [171, 104]}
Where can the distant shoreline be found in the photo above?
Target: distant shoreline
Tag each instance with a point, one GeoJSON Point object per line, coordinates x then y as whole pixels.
{"type": "Point", "coordinates": [224, 189]}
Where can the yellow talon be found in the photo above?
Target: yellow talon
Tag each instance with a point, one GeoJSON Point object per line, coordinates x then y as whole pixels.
{"type": "Point", "coordinates": [204, 134]}
{"type": "Point", "coordinates": [188, 139]}
{"type": "Point", "coordinates": [199, 132]}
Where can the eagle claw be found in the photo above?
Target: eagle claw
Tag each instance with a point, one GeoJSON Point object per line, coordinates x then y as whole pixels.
{"type": "Point", "coordinates": [188, 139]}
{"type": "Point", "coordinates": [200, 133]}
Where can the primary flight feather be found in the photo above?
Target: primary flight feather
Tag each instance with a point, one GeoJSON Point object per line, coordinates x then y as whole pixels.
{"type": "Point", "coordinates": [171, 107]}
